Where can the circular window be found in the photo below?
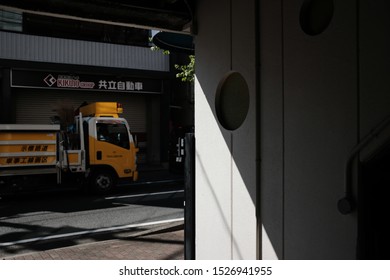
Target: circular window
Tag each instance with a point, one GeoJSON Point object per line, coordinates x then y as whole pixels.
{"type": "Point", "coordinates": [232, 100]}
{"type": "Point", "coordinates": [316, 16]}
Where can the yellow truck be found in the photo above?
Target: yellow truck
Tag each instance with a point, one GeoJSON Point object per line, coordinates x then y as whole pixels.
{"type": "Point", "coordinates": [96, 151]}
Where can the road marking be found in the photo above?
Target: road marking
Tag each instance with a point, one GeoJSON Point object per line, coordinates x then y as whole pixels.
{"type": "Point", "coordinates": [142, 194]}
{"type": "Point", "coordinates": [85, 232]}
{"type": "Point", "coordinates": [139, 183]}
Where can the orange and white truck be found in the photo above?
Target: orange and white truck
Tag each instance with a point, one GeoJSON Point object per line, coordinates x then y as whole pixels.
{"type": "Point", "coordinates": [96, 151]}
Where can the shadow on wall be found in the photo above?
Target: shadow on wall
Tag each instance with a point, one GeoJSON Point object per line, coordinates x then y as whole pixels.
{"type": "Point", "coordinates": [226, 221]}
{"type": "Point", "coordinates": [226, 155]}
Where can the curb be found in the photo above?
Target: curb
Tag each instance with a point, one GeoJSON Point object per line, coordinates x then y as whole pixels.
{"type": "Point", "coordinates": [174, 226]}
{"type": "Point", "coordinates": [120, 234]}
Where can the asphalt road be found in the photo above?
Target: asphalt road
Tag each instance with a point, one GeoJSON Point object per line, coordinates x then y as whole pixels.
{"type": "Point", "coordinates": [52, 219]}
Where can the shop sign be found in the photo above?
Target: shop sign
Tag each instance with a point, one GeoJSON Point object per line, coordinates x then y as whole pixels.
{"type": "Point", "coordinates": [55, 80]}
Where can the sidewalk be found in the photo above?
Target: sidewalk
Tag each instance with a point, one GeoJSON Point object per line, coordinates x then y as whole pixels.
{"type": "Point", "coordinates": [152, 244]}
{"type": "Point", "coordinates": [156, 173]}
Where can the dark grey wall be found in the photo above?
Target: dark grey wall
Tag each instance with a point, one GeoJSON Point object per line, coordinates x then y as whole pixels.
{"type": "Point", "coordinates": [309, 107]}
{"type": "Point", "coordinates": [320, 94]}
{"type": "Point", "coordinates": [374, 63]}
{"type": "Point", "coordinates": [320, 120]}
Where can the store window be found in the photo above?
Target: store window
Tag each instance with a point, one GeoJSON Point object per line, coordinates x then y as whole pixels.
{"type": "Point", "coordinates": [41, 25]}
{"type": "Point", "coordinates": [83, 30]}
{"type": "Point", "coordinates": [11, 21]}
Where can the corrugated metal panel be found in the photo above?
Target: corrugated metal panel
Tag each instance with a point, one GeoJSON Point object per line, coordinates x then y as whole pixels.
{"type": "Point", "coordinates": [44, 49]}
{"type": "Point", "coordinates": [36, 107]}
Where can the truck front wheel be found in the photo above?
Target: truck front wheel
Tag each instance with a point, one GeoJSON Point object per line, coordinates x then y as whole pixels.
{"type": "Point", "coordinates": [102, 181]}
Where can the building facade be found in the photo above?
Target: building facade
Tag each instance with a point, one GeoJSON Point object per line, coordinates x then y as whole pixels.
{"type": "Point", "coordinates": [43, 76]}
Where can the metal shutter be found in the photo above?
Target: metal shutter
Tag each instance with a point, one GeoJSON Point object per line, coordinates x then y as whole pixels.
{"type": "Point", "coordinates": [37, 106]}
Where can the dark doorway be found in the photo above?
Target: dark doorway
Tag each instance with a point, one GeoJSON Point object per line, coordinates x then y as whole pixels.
{"type": "Point", "coordinates": [374, 207]}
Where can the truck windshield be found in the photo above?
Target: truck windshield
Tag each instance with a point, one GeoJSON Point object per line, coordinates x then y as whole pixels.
{"type": "Point", "coordinates": [113, 133]}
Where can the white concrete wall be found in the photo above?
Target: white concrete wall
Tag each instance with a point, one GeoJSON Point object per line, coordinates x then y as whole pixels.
{"type": "Point", "coordinates": [225, 159]}
{"type": "Point", "coordinates": [319, 95]}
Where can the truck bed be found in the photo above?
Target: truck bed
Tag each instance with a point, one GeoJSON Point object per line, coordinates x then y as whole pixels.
{"type": "Point", "coordinates": [28, 149]}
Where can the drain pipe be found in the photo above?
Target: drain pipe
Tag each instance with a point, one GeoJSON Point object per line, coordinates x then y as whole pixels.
{"type": "Point", "coordinates": [347, 204]}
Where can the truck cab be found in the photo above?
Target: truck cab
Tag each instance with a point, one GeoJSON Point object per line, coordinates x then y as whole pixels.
{"type": "Point", "coordinates": [111, 152]}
